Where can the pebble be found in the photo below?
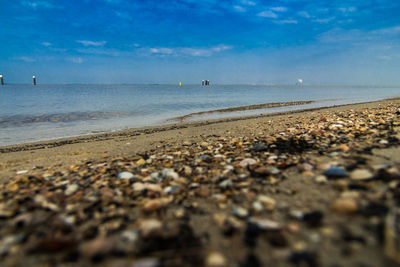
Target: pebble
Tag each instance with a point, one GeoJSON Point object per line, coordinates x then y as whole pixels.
{"type": "Point", "coordinates": [187, 170]}
{"type": "Point", "coordinates": [204, 144]}
{"type": "Point", "coordinates": [155, 177]}
{"type": "Point", "coordinates": [313, 218]}
{"type": "Point", "coordinates": [216, 259]}
{"type": "Point", "coordinates": [259, 146]}
{"type": "Point", "coordinates": [268, 202]}
{"type": "Point", "coordinates": [71, 189]}
{"type": "Point", "coordinates": [361, 175]}
{"type": "Point", "coordinates": [335, 172]}
{"type": "Point", "coordinates": [247, 161]}
{"type": "Point", "coordinates": [155, 204]}
{"type": "Point", "coordinates": [383, 142]}
{"type": "Point", "coordinates": [170, 174]}
{"type": "Point", "coordinates": [22, 172]}
{"type": "Point", "coordinates": [225, 184]}
{"type": "Point", "coordinates": [345, 206]}
{"type": "Point", "coordinates": [97, 249]}
{"type": "Point", "coordinates": [304, 258]}
{"type": "Point", "coordinates": [9, 241]}
{"type": "Point", "coordinates": [265, 224]}
{"type": "Point", "coordinates": [130, 236]}
{"type": "Point", "coordinates": [257, 206]}
{"type": "Point", "coordinates": [240, 212]}
{"type": "Point", "coordinates": [344, 148]}
{"type": "Point", "coordinates": [125, 175]}
{"type": "Point", "coordinates": [140, 162]}
{"type": "Point", "coordinates": [139, 187]}
{"type": "Point", "coordinates": [321, 179]}
{"type": "Point", "coordinates": [150, 227]}
{"type": "Point", "coordinates": [146, 262]}
{"type": "Point", "coordinates": [296, 214]}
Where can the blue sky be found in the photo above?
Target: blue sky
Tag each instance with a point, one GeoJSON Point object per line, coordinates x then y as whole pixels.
{"type": "Point", "coordinates": [235, 41]}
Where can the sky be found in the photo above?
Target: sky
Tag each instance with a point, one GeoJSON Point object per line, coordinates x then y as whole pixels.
{"type": "Point", "coordinates": [227, 42]}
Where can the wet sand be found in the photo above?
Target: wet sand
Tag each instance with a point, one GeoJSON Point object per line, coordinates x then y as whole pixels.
{"type": "Point", "coordinates": [305, 188]}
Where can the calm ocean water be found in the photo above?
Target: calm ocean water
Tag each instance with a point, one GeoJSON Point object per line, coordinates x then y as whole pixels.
{"type": "Point", "coordinates": [29, 113]}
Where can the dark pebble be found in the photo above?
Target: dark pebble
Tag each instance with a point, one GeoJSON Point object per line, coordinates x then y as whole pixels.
{"type": "Point", "coordinates": [304, 258]}
{"type": "Point", "coordinates": [51, 245]}
{"type": "Point", "coordinates": [276, 239]}
{"type": "Point", "coordinates": [335, 172]}
{"type": "Point", "coordinates": [251, 234]}
{"type": "Point", "coordinates": [374, 209]}
{"type": "Point", "coordinates": [347, 236]}
{"type": "Point", "coordinates": [259, 146]}
{"type": "Point", "coordinates": [206, 158]}
{"type": "Point", "coordinates": [356, 186]}
{"type": "Point", "coordinates": [251, 260]}
{"type": "Point", "coordinates": [314, 218]}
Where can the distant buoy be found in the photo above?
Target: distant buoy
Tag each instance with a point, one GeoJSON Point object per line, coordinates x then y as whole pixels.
{"type": "Point", "coordinates": [299, 82]}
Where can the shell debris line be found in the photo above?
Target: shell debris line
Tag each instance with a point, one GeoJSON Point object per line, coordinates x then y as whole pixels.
{"type": "Point", "coordinates": [315, 194]}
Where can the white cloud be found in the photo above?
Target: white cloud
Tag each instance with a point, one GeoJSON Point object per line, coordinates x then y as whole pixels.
{"type": "Point", "coordinates": [91, 43]}
{"type": "Point", "coordinates": [267, 14]}
{"type": "Point", "coordinates": [347, 9]}
{"type": "Point", "coordinates": [220, 48]}
{"type": "Point", "coordinates": [77, 60]}
{"type": "Point", "coordinates": [286, 21]}
{"type": "Point", "coordinates": [339, 35]}
{"type": "Point", "coordinates": [304, 14]}
{"type": "Point", "coordinates": [26, 59]}
{"type": "Point", "coordinates": [390, 31]}
{"type": "Point", "coordinates": [38, 4]}
{"type": "Point", "coordinates": [189, 51]}
{"type": "Point", "coordinates": [162, 51]}
{"type": "Point", "coordinates": [279, 9]}
{"type": "Point", "coordinates": [248, 3]}
{"type": "Point", "coordinates": [99, 51]}
{"type": "Point", "coordinates": [325, 20]}
{"type": "Point", "coordinates": [239, 9]}
{"type": "Point", "coordinates": [47, 44]}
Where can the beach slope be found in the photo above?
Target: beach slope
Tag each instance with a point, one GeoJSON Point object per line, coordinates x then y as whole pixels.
{"type": "Point", "coordinates": [311, 188]}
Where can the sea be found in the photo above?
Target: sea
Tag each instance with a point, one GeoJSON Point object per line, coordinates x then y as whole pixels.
{"type": "Point", "coordinates": [43, 112]}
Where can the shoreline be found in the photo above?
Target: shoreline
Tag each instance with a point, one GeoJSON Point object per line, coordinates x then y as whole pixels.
{"type": "Point", "coordinates": [313, 187]}
{"type": "Point", "coordinates": [243, 108]}
{"type": "Point", "coordinates": [64, 152]}
{"type": "Point", "coordinates": [93, 137]}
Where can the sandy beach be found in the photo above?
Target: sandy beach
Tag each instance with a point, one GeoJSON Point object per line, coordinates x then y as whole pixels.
{"type": "Point", "coordinates": [305, 188]}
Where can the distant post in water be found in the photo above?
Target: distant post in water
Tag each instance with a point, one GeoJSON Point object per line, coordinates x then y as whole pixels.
{"type": "Point", "coordinates": [34, 79]}
{"type": "Point", "coordinates": [1, 80]}
{"type": "Point", "coordinates": [202, 82]}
